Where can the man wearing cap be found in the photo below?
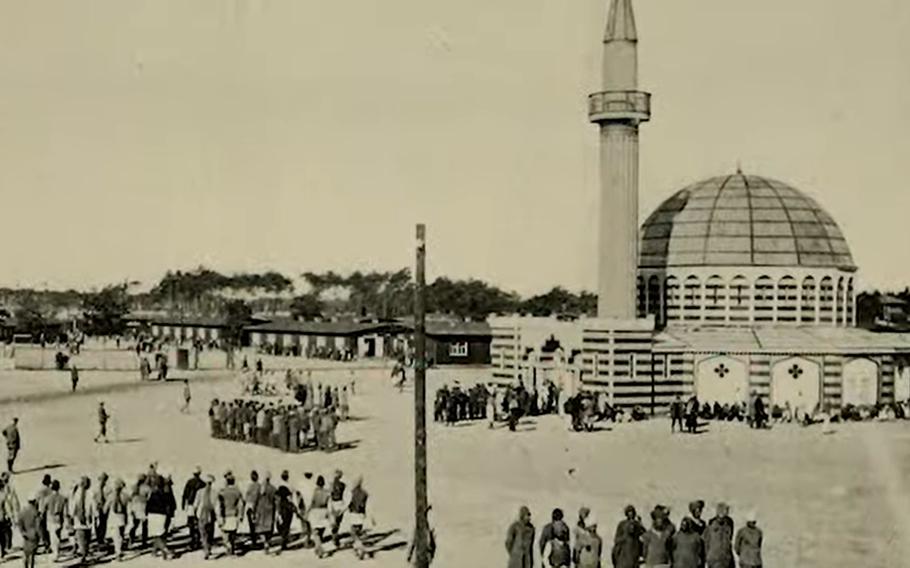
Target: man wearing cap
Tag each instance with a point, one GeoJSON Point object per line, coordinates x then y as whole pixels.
{"type": "Point", "coordinates": [748, 543]}
{"type": "Point", "coordinates": [28, 529]}
{"type": "Point", "coordinates": [81, 513]}
{"type": "Point", "coordinates": [204, 512]}
{"type": "Point", "coordinates": [627, 549]}
{"type": "Point", "coordinates": [520, 541]}
{"type": "Point", "coordinates": [187, 501]}
{"type": "Point", "coordinates": [719, 539]}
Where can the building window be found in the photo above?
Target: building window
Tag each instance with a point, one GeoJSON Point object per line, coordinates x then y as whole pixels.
{"type": "Point", "coordinates": [458, 349]}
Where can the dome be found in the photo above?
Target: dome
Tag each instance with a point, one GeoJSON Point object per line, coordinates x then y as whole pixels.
{"type": "Point", "coordinates": [742, 220]}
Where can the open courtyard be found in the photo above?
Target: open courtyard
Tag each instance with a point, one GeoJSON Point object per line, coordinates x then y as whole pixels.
{"type": "Point", "coordinates": [837, 499]}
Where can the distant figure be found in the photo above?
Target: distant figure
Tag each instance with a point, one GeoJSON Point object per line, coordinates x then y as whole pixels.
{"type": "Point", "coordinates": [259, 365]}
{"type": "Point", "coordinates": [676, 414]}
{"type": "Point", "coordinates": [103, 417]}
{"type": "Point", "coordinates": [520, 541]}
{"type": "Point", "coordinates": [187, 396]}
{"type": "Point", "coordinates": [74, 376]}
{"type": "Point", "coordinates": [13, 443]}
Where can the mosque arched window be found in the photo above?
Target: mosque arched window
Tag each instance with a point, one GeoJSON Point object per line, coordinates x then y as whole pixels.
{"type": "Point", "coordinates": [808, 297]}
{"type": "Point", "coordinates": [692, 300]}
{"type": "Point", "coordinates": [850, 299]}
{"type": "Point", "coordinates": [840, 312]}
{"type": "Point", "coordinates": [655, 307]}
{"type": "Point", "coordinates": [671, 295]}
{"type": "Point", "coordinates": [715, 299]}
{"type": "Point", "coordinates": [642, 297]}
{"type": "Point", "coordinates": [740, 299]}
{"type": "Point", "coordinates": [764, 299]}
{"type": "Point", "coordinates": [826, 300]}
{"type": "Point", "coordinates": [787, 299]}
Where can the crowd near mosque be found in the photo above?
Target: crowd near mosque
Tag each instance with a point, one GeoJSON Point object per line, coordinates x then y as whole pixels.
{"type": "Point", "coordinates": [92, 520]}
{"type": "Point", "coordinates": [697, 543]}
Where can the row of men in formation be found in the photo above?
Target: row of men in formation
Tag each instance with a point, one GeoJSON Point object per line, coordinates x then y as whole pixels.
{"type": "Point", "coordinates": [288, 427]}
{"type": "Point", "coordinates": [77, 523]}
{"type": "Point", "coordinates": [697, 543]}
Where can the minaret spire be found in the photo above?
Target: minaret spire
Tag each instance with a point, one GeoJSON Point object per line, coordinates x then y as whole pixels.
{"type": "Point", "coordinates": [618, 110]}
{"type": "Point", "coordinates": [621, 22]}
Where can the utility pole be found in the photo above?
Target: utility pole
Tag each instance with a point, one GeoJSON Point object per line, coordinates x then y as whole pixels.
{"type": "Point", "coordinates": [420, 411]}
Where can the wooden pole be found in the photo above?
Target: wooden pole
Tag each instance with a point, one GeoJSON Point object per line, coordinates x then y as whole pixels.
{"type": "Point", "coordinates": [420, 412]}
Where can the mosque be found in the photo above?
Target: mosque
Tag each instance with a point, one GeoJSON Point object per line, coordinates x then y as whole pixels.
{"type": "Point", "coordinates": [734, 286]}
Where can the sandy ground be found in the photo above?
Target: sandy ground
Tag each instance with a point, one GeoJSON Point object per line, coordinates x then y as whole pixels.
{"type": "Point", "coordinates": [823, 500]}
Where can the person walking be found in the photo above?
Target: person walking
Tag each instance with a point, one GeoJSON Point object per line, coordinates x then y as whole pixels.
{"type": "Point", "coordinates": [555, 536]}
{"type": "Point", "coordinates": [230, 510]}
{"type": "Point", "coordinates": [81, 514]}
{"type": "Point", "coordinates": [304, 500]}
{"type": "Point", "coordinates": [27, 523]}
{"type": "Point", "coordinates": [103, 418]}
{"type": "Point", "coordinates": [57, 507]}
{"type": "Point", "coordinates": [13, 443]}
{"type": "Point", "coordinates": [627, 545]}
{"type": "Point", "coordinates": [205, 514]}
{"type": "Point", "coordinates": [286, 510]}
{"type": "Point", "coordinates": [520, 541]}
{"type": "Point", "coordinates": [318, 515]}
{"type": "Point", "coordinates": [74, 376]}
{"type": "Point", "coordinates": [357, 511]}
{"type": "Point", "coordinates": [748, 543]}
{"type": "Point", "coordinates": [187, 504]}
{"type": "Point", "coordinates": [265, 512]}
{"type": "Point", "coordinates": [138, 506]}
{"type": "Point", "coordinates": [118, 507]}
{"type": "Point", "coordinates": [336, 504]}
{"type": "Point", "coordinates": [100, 508]}
{"type": "Point", "coordinates": [250, 498]}
{"type": "Point", "coordinates": [44, 493]}
{"type": "Point", "coordinates": [719, 539]}
{"type": "Point", "coordinates": [187, 397]}
{"type": "Point", "coordinates": [158, 511]}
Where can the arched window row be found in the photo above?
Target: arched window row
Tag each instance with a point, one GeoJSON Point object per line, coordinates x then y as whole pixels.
{"type": "Point", "coordinates": [739, 300]}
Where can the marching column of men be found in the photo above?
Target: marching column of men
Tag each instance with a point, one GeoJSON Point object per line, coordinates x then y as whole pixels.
{"type": "Point", "coordinates": [96, 519]}
{"type": "Point", "coordinates": [696, 544]}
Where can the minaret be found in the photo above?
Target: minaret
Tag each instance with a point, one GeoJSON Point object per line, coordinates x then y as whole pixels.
{"type": "Point", "coordinates": [618, 110]}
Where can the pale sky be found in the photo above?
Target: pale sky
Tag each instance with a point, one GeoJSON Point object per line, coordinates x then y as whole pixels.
{"type": "Point", "coordinates": [308, 135]}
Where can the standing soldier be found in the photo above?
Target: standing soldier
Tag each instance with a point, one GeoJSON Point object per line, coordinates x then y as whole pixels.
{"type": "Point", "coordinates": [13, 443]}
{"type": "Point", "coordinates": [676, 414]}
{"type": "Point", "coordinates": [9, 512]}
{"type": "Point", "coordinates": [103, 417]}
{"type": "Point", "coordinates": [627, 548]}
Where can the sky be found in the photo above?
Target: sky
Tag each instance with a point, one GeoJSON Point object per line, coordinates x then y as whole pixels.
{"type": "Point", "coordinates": [295, 135]}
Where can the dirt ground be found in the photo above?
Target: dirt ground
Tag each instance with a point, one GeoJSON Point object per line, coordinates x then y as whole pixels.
{"type": "Point", "coordinates": [823, 500]}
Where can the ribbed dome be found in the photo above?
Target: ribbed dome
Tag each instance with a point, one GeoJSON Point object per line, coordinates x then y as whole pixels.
{"type": "Point", "coordinates": [742, 220]}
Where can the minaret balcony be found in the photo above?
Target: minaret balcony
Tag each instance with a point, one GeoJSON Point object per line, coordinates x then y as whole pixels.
{"type": "Point", "coordinates": [634, 106]}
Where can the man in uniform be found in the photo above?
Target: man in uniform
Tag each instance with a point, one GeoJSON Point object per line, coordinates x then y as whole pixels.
{"type": "Point", "coordinates": [719, 539]}
{"type": "Point", "coordinates": [13, 443]}
{"type": "Point", "coordinates": [103, 417]}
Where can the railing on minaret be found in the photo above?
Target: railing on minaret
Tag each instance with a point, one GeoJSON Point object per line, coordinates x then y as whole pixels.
{"type": "Point", "coordinates": [618, 110]}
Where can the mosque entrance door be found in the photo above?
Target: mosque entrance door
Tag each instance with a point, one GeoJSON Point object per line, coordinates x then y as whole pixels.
{"type": "Point", "coordinates": [860, 383]}
{"type": "Point", "coordinates": [722, 379]}
{"type": "Point", "coordinates": [796, 381]}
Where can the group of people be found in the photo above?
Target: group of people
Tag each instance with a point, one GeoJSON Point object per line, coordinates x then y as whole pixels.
{"type": "Point", "coordinates": [696, 544]}
{"type": "Point", "coordinates": [95, 518]}
{"type": "Point", "coordinates": [309, 420]}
